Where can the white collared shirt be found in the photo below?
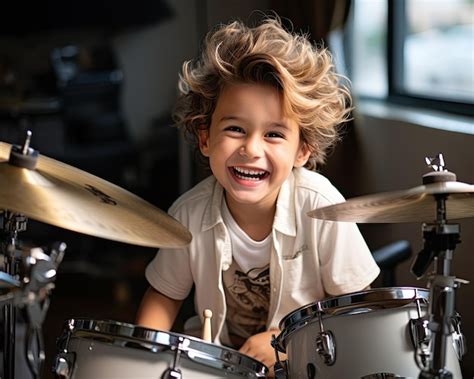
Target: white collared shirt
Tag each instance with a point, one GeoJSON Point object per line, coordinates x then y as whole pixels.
{"type": "Point", "coordinates": [310, 258]}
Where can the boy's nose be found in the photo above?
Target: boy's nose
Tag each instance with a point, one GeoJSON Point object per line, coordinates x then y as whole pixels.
{"type": "Point", "coordinates": [252, 148]}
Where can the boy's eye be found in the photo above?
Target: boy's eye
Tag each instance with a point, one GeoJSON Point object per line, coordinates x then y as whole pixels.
{"type": "Point", "coordinates": [275, 135]}
{"type": "Point", "coordinates": [236, 129]}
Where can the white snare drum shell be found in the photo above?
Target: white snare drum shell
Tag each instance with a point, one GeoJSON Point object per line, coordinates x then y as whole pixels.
{"type": "Point", "coordinates": [99, 360]}
{"type": "Point", "coordinates": [106, 349]}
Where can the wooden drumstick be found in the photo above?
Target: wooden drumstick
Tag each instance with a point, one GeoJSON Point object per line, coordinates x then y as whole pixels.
{"type": "Point", "coordinates": [206, 329]}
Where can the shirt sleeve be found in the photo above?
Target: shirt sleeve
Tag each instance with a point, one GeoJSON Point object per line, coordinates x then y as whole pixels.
{"type": "Point", "coordinates": [170, 273]}
{"type": "Point", "coordinates": [346, 262]}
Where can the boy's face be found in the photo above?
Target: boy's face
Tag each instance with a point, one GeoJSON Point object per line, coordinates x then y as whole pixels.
{"type": "Point", "coordinates": [251, 146]}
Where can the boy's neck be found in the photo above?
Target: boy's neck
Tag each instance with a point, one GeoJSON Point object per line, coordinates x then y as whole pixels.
{"type": "Point", "coordinates": [255, 220]}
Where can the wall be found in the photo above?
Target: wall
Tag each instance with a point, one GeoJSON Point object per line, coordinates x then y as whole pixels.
{"type": "Point", "coordinates": [151, 58]}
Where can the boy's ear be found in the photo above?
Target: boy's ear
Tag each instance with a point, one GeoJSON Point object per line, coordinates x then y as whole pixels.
{"type": "Point", "coordinates": [203, 136]}
{"type": "Point", "coordinates": [302, 155]}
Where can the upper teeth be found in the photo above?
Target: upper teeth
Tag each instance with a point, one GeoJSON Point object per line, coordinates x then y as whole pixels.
{"type": "Point", "coordinates": [248, 171]}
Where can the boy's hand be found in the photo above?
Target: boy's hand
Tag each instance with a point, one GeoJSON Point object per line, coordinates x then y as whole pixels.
{"type": "Point", "coordinates": [260, 348]}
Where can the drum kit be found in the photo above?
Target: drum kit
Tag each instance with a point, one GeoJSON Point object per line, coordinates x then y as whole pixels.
{"type": "Point", "coordinates": [419, 330]}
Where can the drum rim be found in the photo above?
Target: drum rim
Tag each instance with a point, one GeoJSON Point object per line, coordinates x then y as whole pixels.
{"type": "Point", "coordinates": [343, 304]}
{"type": "Point", "coordinates": [231, 360]}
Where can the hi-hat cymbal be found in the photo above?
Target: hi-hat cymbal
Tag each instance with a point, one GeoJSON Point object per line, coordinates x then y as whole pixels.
{"type": "Point", "coordinates": [417, 204]}
{"type": "Point", "coordinates": [61, 195]}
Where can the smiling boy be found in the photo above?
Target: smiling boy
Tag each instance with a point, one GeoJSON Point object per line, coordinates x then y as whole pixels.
{"type": "Point", "coordinates": [263, 105]}
{"type": "Point", "coordinates": [252, 149]}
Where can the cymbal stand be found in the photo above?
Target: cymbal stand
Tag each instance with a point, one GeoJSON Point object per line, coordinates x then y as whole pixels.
{"type": "Point", "coordinates": [440, 240]}
{"type": "Point", "coordinates": [40, 272]}
{"type": "Point", "coordinates": [10, 225]}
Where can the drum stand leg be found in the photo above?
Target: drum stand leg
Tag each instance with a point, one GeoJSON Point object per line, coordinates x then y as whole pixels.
{"type": "Point", "coordinates": [38, 273]}
{"type": "Point", "coordinates": [441, 312]}
{"type": "Point", "coordinates": [440, 241]}
{"type": "Point", "coordinates": [10, 225]}
{"type": "Point", "coordinates": [9, 319]}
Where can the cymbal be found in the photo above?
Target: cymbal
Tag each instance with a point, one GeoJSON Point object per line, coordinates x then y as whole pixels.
{"type": "Point", "coordinates": [61, 195]}
{"type": "Point", "coordinates": [412, 205]}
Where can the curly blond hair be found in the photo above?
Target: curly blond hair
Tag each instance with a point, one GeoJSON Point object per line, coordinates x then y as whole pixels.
{"type": "Point", "coordinates": [311, 90]}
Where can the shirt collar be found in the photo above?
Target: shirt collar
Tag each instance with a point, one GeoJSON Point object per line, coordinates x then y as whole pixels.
{"type": "Point", "coordinates": [212, 215]}
{"type": "Point", "coordinates": [285, 215]}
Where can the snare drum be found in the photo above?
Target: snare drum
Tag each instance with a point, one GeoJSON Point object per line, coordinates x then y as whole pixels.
{"type": "Point", "coordinates": [376, 333]}
{"type": "Point", "coordinates": [107, 349]}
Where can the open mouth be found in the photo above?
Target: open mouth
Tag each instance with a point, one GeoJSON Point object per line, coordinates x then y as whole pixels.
{"type": "Point", "coordinates": [249, 174]}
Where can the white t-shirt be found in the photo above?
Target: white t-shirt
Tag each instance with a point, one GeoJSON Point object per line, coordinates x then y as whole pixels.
{"type": "Point", "coordinates": [247, 252]}
{"type": "Point", "coordinates": [309, 260]}
{"type": "Point", "coordinates": [246, 282]}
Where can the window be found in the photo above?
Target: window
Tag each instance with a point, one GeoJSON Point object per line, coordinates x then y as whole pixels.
{"type": "Point", "coordinates": [439, 49]}
{"type": "Point", "coordinates": [416, 52]}
{"type": "Point", "coordinates": [368, 67]}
